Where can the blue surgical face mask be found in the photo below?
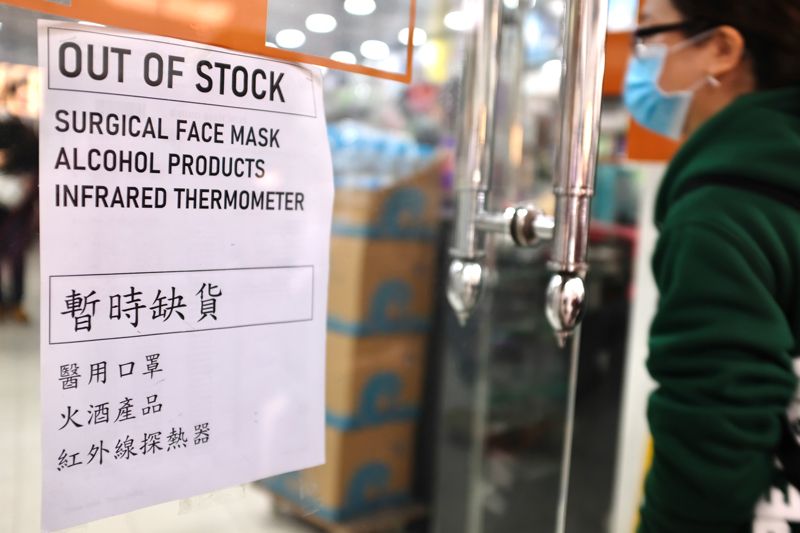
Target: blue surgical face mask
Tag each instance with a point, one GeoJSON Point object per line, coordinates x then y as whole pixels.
{"type": "Point", "coordinates": [662, 112]}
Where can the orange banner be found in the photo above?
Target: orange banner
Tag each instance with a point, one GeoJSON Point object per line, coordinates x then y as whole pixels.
{"type": "Point", "coordinates": [236, 25]}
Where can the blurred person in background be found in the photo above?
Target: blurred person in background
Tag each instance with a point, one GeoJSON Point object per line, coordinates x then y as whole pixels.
{"type": "Point", "coordinates": [724, 77]}
{"type": "Point", "coordinates": [18, 193]}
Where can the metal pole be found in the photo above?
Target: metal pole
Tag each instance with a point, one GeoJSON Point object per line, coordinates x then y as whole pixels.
{"type": "Point", "coordinates": [474, 152]}
{"type": "Point", "coordinates": [581, 94]}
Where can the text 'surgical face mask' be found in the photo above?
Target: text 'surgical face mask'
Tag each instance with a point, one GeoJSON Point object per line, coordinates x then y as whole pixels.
{"type": "Point", "coordinates": [659, 111]}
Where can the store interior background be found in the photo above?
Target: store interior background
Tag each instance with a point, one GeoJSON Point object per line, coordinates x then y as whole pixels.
{"type": "Point", "coordinates": [491, 402]}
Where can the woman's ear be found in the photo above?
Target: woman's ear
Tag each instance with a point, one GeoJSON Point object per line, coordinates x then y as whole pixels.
{"type": "Point", "coordinates": [727, 51]}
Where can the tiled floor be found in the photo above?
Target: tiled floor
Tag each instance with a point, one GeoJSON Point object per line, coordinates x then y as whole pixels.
{"type": "Point", "coordinates": [245, 509]}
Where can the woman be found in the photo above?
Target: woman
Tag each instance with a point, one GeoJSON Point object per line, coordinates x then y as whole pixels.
{"type": "Point", "coordinates": [725, 76]}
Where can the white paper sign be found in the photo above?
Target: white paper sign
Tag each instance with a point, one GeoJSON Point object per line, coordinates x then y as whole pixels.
{"type": "Point", "coordinates": [186, 197]}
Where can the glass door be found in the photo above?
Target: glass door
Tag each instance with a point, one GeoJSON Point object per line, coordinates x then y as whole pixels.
{"type": "Point", "coordinates": [527, 433]}
{"type": "Point", "coordinates": [432, 422]}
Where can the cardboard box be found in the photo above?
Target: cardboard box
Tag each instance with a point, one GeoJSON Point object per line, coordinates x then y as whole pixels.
{"type": "Point", "coordinates": [373, 380]}
{"type": "Point", "coordinates": [404, 209]}
{"type": "Point", "coordinates": [380, 286]}
{"type": "Point", "coordinates": [367, 470]}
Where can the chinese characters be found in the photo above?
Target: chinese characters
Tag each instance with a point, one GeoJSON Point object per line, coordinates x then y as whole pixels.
{"type": "Point", "coordinates": [166, 305]}
{"type": "Point", "coordinates": [128, 448]}
{"type": "Point", "coordinates": [70, 374]}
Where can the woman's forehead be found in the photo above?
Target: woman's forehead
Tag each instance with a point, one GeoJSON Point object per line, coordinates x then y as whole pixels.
{"type": "Point", "coordinates": [659, 11]}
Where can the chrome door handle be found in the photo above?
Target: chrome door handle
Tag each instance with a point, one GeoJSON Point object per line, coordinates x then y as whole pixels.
{"type": "Point", "coordinates": [581, 94]}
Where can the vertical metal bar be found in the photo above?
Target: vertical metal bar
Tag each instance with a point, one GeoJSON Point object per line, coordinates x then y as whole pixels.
{"type": "Point", "coordinates": [474, 154]}
{"type": "Point", "coordinates": [476, 131]}
{"type": "Point", "coordinates": [569, 430]}
{"type": "Point", "coordinates": [581, 95]}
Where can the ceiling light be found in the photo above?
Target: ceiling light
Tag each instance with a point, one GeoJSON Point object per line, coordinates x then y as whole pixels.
{"type": "Point", "coordinates": [420, 36]}
{"type": "Point", "coordinates": [375, 50]}
{"type": "Point", "coordinates": [359, 7]}
{"type": "Point", "coordinates": [511, 4]}
{"type": "Point", "coordinates": [290, 38]}
{"type": "Point", "coordinates": [392, 63]}
{"type": "Point", "coordinates": [552, 69]}
{"type": "Point", "coordinates": [343, 56]}
{"type": "Point", "coordinates": [320, 23]}
{"type": "Point", "coordinates": [557, 8]}
{"type": "Point", "coordinates": [428, 55]}
{"type": "Point", "coordinates": [458, 21]}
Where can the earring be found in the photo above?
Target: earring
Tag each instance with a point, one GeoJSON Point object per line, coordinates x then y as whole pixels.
{"type": "Point", "coordinates": [714, 82]}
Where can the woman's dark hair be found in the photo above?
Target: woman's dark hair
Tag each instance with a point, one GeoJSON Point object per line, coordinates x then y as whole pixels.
{"type": "Point", "coordinates": [21, 145]}
{"type": "Point", "coordinates": [771, 29]}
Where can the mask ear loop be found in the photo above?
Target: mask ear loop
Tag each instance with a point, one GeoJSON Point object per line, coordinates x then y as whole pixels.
{"type": "Point", "coordinates": [709, 79]}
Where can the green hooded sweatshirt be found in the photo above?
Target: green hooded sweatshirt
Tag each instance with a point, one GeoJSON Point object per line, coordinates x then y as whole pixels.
{"type": "Point", "coordinates": [723, 341]}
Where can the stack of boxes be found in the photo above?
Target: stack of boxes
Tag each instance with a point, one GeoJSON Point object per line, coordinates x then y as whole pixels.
{"type": "Point", "coordinates": [380, 303]}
